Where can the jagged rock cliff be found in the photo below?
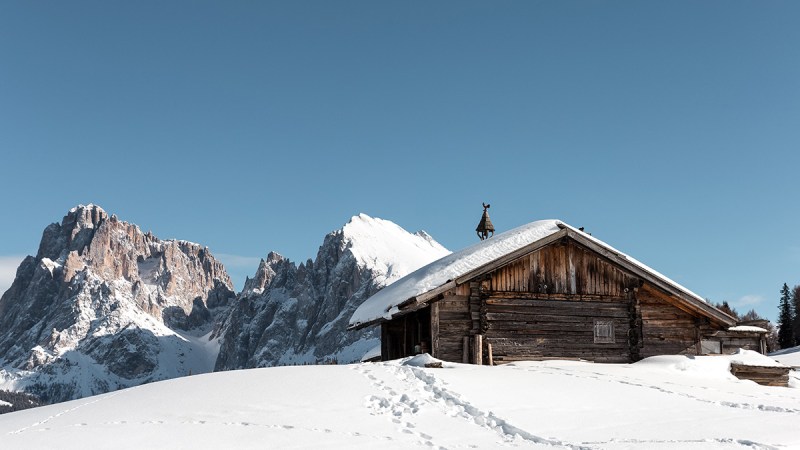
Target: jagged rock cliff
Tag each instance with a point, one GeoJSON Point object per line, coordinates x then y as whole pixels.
{"type": "Point", "coordinates": [290, 314]}
{"type": "Point", "coordinates": [103, 306]}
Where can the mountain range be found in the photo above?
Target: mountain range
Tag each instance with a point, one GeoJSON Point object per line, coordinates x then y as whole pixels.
{"type": "Point", "coordinates": [104, 306]}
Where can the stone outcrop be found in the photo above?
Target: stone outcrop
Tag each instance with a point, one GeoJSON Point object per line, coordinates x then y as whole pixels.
{"type": "Point", "coordinates": [103, 305]}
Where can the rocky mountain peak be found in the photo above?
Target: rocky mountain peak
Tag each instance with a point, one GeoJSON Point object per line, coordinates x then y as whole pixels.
{"type": "Point", "coordinates": [101, 292]}
{"type": "Point", "coordinates": [88, 216]}
{"type": "Point", "coordinates": [299, 314]}
{"type": "Point", "coordinates": [274, 257]}
{"type": "Point", "coordinates": [387, 248]}
{"type": "Point", "coordinates": [74, 232]}
{"type": "Point", "coordinates": [104, 306]}
{"type": "Point", "coordinates": [267, 269]}
{"type": "Point", "coordinates": [424, 235]}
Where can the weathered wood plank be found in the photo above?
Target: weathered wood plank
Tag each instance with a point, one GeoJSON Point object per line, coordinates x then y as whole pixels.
{"type": "Point", "coordinates": [477, 349]}
{"type": "Point", "coordinates": [498, 299]}
{"type": "Point", "coordinates": [619, 356]}
{"type": "Point", "coordinates": [765, 375]}
{"type": "Point", "coordinates": [553, 343]}
{"type": "Point", "coordinates": [454, 303]}
{"type": "Point", "coordinates": [555, 315]}
{"type": "Point", "coordinates": [435, 329]}
{"type": "Point", "coordinates": [454, 316]}
{"type": "Point", "coordinates": [553, 296]}
{"type": "Point", "coordinates": [620, 328]}
{"type": "Point", "coordinates": [556, 311]}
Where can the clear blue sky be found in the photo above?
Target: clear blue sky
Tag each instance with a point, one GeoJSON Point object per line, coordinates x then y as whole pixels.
{"type": "Point", "coordinates": [670, 130]}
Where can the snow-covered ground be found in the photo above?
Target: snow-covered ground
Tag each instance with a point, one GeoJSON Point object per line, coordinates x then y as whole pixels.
{"type": "Point", "coordinates": [788, 356]}
{"type": "Point", "coordinates": [667, 402]}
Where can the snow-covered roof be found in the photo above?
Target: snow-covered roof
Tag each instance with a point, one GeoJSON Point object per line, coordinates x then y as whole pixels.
{"type": "Point", "coordinates": [748, 328]}
{"type": "Point", "coordinates": [386, 303]}
{"type": "Point", "coordinates": [751, 358]}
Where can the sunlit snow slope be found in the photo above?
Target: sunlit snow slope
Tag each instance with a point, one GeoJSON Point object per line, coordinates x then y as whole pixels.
{"type": "Point", "coordinates": [670, 402]}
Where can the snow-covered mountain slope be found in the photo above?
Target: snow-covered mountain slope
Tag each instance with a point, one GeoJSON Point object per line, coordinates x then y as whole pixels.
{"type": "Point", "coordinates": [103, 306]}
{"type": "Point", "coordinates": [289, 314]}
{"type": "Point", "coordinates": [16, 401]}
{"type": "Point", "coordinates": [670, 402]}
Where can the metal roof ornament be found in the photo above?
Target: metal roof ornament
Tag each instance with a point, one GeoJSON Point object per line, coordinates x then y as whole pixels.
{"type": "Point", "coordinates": [485, 228]}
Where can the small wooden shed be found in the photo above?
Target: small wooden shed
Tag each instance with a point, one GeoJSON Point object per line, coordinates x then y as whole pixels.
{"type": "Point", "coordinates": [545, 290]}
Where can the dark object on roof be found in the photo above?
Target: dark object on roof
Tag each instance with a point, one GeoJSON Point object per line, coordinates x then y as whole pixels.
{"type": "Point", "coordinates": [485, 227]}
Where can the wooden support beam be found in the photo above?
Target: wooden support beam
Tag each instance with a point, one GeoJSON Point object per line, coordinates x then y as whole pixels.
{"type": "Point", "coordinates": [478, 350]}
{"type": "Point", "coordinates": [465, 354]}
{"type": "Point", "coordinates": [491, 357]}
{"type": "Point", "coordinates": [405, 336]}
{"type": "Point", "coordinates": [384, 342]}
{"type": "Point", "coordinates": [698, 349]}
{"type": "Point", "coordinates": [435, 329]}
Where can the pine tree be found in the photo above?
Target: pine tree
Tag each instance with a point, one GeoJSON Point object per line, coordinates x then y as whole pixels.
{"type": "Point", "coordinates": [786, 319]}
{"type": "Point", "coordinates": [726, 308]}
{"type": "Point", "coordinates": [796, 304]}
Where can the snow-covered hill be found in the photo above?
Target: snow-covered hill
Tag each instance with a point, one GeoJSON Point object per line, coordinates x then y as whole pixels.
{"type": "Point", "coordinates": [669, 402]}
{"type": "Point", "coordinates": [788, 356]}
{"type": "Point", "coordinates": [289, 314]}
{"type": "Point", "coordinates": [104, 306]}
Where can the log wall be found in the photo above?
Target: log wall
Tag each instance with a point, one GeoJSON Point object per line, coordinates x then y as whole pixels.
{"type": "Point", "coordinates": [546, 304]}
{"type": "Point", "coordinates": [535, 328]}
{"type": "Point", "coordinates": [563, 268]}
{"type": "Point", "coordinates": [666, 328]}
{"type": "Point", "coordinates": [455, 322]}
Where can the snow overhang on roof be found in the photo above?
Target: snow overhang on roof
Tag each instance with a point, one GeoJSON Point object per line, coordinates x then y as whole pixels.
{"type": "Point", "coordinates": [428, 282]}
{"type": "Point", "coordinates": [748, 329]}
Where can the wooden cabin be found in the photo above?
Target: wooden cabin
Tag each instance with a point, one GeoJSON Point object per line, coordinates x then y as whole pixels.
{"type": "Point", "coordinates": [546, 290]}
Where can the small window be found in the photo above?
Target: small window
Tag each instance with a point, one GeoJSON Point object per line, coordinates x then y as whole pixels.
{"type": "Point", "coordinates": [604, 332]}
